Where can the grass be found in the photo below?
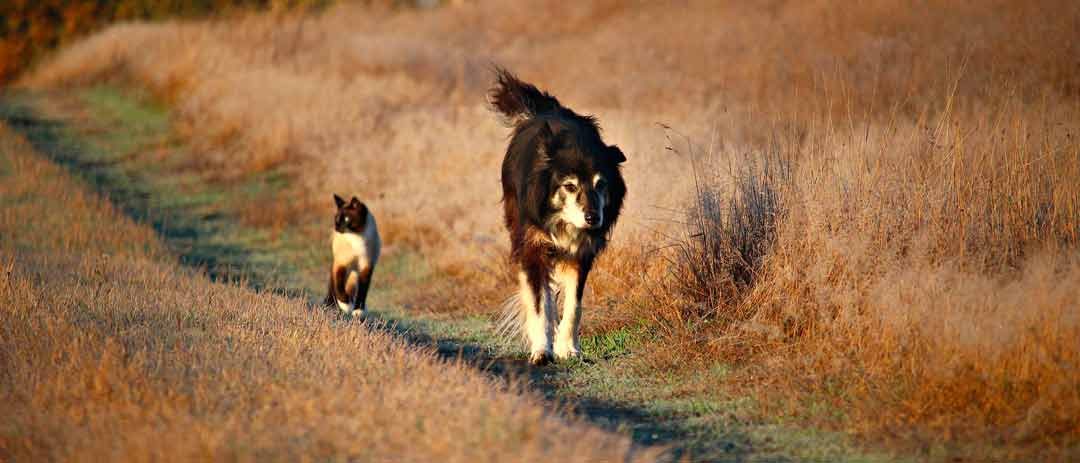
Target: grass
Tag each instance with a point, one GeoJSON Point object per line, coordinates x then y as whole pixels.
{"type": "Point", "coordinates": [921, 278]}
{"type": "Point", "coordinates": [606, 388]}
{"type": "Point", "coordinates": [111, 350]}
{"type": "Point", "coordinates": [606, 346]}
{"type": "Point", "coordinates": [145, 169]}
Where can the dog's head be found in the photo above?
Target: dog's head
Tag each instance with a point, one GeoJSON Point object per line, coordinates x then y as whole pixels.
{"type": "Point", "coordinates": [576, 178]}
{"type": "Point", "coordinates": [351, 216]}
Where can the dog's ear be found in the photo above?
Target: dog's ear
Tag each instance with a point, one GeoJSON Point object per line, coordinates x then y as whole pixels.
{"type": "Point", "coordinates": [616, 194]}
{"type": "Point", "coordinates": [616, 154]}
{"type": "Point", "coordinates": [533, 200]}
{"type": "Point", "coordinates": [338, 201]}
{"type": "Point", "coordinates": [533, 197]}
{"type": "Point", "coordinates": [545, 143]}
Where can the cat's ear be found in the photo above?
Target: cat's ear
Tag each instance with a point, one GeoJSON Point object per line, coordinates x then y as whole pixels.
{"type": "Point", "coordinates": [339, 201]}
{"type": "Point", "coordinates": [354, 201]}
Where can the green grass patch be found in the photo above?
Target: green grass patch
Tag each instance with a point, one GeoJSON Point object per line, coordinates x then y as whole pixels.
{"type": "Point", "coordinates": [606, 346]}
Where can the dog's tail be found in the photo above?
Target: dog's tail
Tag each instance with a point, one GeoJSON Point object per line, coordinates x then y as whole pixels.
{"type": "Point", "coordinates": [518, 101]}
{"type": "Point", "coordinates": [511, 323]}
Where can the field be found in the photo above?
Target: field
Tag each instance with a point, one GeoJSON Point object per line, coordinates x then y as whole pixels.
{"type": "Point", "coordinates": [860, 219]}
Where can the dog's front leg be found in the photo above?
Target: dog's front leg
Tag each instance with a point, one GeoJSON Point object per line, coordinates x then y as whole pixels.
{"type": "Point", "coordinates": [536, 299]}
{"type": "Point", "coordinates": [566, 337]}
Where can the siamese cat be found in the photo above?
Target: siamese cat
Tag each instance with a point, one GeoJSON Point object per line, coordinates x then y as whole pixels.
{"type": "Point", "coordinates": [355, 244]}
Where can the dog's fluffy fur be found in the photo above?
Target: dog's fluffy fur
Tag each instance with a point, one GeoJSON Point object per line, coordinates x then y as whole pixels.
{"type": "Point", "coordinates": [356, 246]}
{"type": "Point", "coordinates": [562, 193]}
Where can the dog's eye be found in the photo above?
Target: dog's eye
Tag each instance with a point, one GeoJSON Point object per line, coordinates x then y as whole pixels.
{"type": "Point", "coordinates": [346, 220]}
{"type": "Point", "coordinates": [570, 187]}
{"type": "Point", "coordinates": [601, 184]}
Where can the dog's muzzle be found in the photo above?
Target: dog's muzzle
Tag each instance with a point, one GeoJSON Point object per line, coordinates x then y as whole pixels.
{"type": "Point", "coordinates": [593, 219]}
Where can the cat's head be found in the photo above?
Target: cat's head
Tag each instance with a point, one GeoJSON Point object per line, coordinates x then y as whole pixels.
{"type": "Point", "coordinates": [351, 216]}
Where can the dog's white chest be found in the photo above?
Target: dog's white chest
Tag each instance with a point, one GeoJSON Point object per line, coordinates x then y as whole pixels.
{"type": "Point", "coordinates": [568, 240]}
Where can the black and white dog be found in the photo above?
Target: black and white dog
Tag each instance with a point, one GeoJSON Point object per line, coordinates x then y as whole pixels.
{"type": "Point", "coordinates": [562, 193]}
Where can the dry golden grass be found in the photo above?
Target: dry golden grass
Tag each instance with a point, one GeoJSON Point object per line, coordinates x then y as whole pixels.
{"type": "Point", "coordinates": [922, 276]}
{"type": "Point", "coordinates": [929, 290]}
{"type": "Point", "coordinates": [109, 351]}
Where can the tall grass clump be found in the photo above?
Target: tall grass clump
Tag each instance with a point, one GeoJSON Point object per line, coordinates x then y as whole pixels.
{"type": "Point", "coordinates": [731, 227]}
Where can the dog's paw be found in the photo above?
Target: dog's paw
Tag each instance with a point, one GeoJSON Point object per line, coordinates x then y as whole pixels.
{"type": "Point", "coordinates": [567, 350]}
{"type": "Point", "coordinates": [540, 358]}
{"type": "Point", "coordinates": [570, 354]}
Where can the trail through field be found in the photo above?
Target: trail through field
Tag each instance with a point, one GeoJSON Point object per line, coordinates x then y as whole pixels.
{"type": "Point", "coordinates": [133, 166]}
{"type": "Point", "coordinates": [110, 349]}
{"type": "Point", "coordinates": [200, 237]}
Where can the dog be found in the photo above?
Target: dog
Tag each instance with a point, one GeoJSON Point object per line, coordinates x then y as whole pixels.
{"type": "Point", "coordinates": [355, 244]}
{"type": "Point", "coordinates": [562, 194]}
